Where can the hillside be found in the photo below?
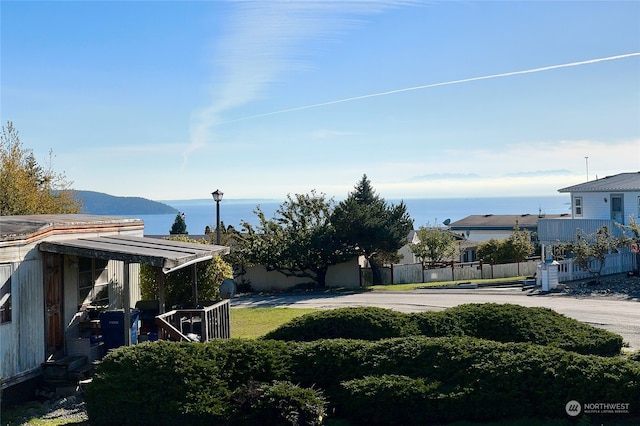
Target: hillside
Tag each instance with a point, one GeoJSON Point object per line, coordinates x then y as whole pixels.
{"type": "Point", "coordinates": [105, 204]}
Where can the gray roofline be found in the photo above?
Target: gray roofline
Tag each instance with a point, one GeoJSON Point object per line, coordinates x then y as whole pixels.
{"type": "Point", "coordinates": [166, 254]}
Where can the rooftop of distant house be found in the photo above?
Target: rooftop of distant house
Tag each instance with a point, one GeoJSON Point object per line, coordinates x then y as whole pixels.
{"type": "Point", "coordinates": [502, 221]}
{"type": "Point", "coordinates": [619, 182]}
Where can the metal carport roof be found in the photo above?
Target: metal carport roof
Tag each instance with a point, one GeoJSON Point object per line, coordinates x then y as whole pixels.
{"type": "Point", "coordinates": [167, 254]}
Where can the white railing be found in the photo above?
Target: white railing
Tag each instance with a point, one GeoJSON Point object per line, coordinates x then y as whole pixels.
{"type": "Point", "coordinates": [415, 272]}
{"type": "Point", "coordinates": [210, 322]}
{"type": "Point", "coordinates": [615, 263]}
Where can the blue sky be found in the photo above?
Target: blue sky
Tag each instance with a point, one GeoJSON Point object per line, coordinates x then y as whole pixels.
{"type": "Point", "coordinates": [172, 100]}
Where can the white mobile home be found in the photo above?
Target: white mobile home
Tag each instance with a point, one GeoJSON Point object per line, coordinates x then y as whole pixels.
{"type": "Point", "coordinates": [53, 267]}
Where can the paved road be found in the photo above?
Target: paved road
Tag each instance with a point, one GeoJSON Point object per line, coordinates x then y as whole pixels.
{"type": "Point", "coordinates": [619, 316]}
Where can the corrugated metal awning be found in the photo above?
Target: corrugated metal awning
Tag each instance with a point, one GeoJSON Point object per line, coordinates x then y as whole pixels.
{"type": "Point", "coordinates": [166, 254]}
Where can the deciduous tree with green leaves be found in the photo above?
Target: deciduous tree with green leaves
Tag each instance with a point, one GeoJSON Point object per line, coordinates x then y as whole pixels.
{"type": "Point", "coordinates": [590, 250]}
{"type": "Point", "coordinates": [434, 246]}
{"type": "Point", "coordinates": [299, 241]}
{"type": "Point", "coordinates": [370, 226]}
{"type": "Point", "coordinates": [178, 284]}
{"type": "Point", "coordinates": [26, 187]}
{"type": "Point", "coordinates": [632, 228]}
{"type": "Point", "coordinates": [516, 248]}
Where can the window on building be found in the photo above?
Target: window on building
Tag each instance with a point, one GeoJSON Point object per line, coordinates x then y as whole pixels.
{"type": "Point", "coordinates": [93, 281]}
{"type": "Point", "coordinates": [5, 293]}
{"type": "Point", "coordinates": [577, 206]}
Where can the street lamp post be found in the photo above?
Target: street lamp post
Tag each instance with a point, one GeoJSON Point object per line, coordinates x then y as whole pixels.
{"type": "Point", "coordinates": [217, 196]}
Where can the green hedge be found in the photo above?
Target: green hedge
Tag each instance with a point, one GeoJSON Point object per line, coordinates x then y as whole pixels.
{"type": "Point", "coordinates": [168, 383]}
{"type": "Point", "coordinates": [484, 379]}
{"type": "Point", "coordinates": [500, 322]}
{"type": "Point", "coordinates": [366, 323]}
{"type": "Point", "coordinates": [414, 380]}
{"type": "Point", "coordinates": [515, 323]}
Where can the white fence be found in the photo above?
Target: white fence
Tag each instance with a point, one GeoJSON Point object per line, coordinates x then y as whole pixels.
{"type": "Point", "coordinates": [416, 273]}
{"type": "Point", "coordinates": [614, 264]}
{"type": "Point", "coordinates": [567, 271]}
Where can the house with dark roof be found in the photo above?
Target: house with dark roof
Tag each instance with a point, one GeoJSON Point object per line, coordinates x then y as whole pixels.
{"type": "Point", "coordinates": [479, 228]}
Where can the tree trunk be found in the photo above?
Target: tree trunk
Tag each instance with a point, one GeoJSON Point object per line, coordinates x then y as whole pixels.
{"type": "Point", "coordinates": [321, 277]}
{"type": "Point", "coordinates": [376, 273]}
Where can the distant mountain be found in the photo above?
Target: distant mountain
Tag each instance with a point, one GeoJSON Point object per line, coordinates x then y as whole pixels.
{"type": "Point", "coordinates": [105, 204]}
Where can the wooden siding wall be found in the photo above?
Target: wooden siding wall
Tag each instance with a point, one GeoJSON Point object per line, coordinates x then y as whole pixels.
{"type": "Point", "coordinates": [70, 291]}
{"type": "Point", "coordinates": [116, 284]}
{"type": "Point", "coordinates": [22, 347]}
{"type": "Point", "coordinates": [22, 342]}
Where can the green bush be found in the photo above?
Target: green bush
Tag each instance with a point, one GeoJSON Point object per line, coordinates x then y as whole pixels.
{"type": "Point", "coordinates": [162, 383]}
{"type": "Point", "coordinates": [393, 399]}
{"type": "Point", "coordinates": [173, 383]}
{"type": "Point", "coordinates": [499, 322]}
{"type": "Point", "coordinates": [431, 379]}
{"type": "Point", "coordinates": [542, 326]}
{"type": "Point", "coordinates": [504, 380]}
{"type": "Point", "coordinates": [367, 323]}
{"type": "Point", "coordinates": [242, 360]}
{"type": "Point", "coordinates": [326, 363]}
{"type": "Point", "coordinates": [495, 380]}
{"type": "Point", "coordinates": [276, 404]}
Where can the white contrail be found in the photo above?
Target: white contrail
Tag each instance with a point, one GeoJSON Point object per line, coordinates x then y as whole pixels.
{"type": "Point", "coordinates": [446, 83]}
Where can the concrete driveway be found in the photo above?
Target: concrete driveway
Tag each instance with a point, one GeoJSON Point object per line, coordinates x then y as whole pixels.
{"type": "Point", "coordinates": [619, 316]}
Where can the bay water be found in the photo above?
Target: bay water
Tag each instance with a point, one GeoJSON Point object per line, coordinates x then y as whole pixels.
{"type": "Point", "coordinates": [201, 213]}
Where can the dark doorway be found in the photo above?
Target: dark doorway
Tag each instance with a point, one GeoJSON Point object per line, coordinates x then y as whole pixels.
{"type": "Point", "coordinates": [53, 304]}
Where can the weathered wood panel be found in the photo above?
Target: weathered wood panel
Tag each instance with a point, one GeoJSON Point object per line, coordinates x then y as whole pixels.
{"type": "Point", "coordinates": [22, 346]}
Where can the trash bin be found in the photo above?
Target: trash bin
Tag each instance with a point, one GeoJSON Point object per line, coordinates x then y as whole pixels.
{"type": "Point", "coordinates": [112, 325]}
{"type": "Point", "coordinates": [149, 310]}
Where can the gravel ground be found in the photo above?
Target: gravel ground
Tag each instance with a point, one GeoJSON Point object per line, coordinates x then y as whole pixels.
{"type": "Point", "coordinates": [617, 286]}
{"type": "Point", "coordinates": [71, 410]}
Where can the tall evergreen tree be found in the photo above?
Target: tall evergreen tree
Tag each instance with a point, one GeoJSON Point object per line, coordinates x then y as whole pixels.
{"type": "Point", "coordinates": [371, 227]}
{"type": "Point", "coordinates": [179, 226]}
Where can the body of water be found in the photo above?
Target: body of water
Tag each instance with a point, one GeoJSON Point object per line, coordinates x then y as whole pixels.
{"type": "Point", "coordinates": [424, 211]}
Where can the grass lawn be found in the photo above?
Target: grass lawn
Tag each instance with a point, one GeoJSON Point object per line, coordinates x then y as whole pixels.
{"type": "Point", "coordinates": [403, 287]}
{"type": "Point", "coordinates": [251, 323]}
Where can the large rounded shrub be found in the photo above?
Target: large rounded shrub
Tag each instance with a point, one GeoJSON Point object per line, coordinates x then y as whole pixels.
{"type": "Point", "coordinates": [367, 323]}
{"type": "Point", "coordinates": [514, 323]}
{"type": "Point", "coordinates": [499, 322]}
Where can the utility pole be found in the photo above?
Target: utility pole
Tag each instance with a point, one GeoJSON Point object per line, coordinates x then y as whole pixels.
{"type": "Point", "coordinates": [586, 160]}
